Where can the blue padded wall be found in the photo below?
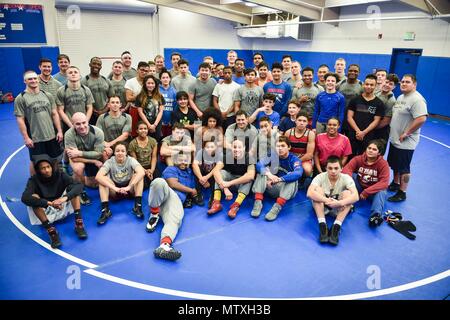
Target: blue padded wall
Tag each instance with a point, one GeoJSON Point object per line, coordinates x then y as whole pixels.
{"type": "Point", "coordinates": [15, 60]}
{"type": "Point", "coordinates": [431, 71]}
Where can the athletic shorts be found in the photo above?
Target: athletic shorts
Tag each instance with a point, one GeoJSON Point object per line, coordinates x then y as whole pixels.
{"type": "Point", "coordinates": [90, 169]}
{"type": "Point", "coordinates": [51, 148]}
{"type": "Point", "coordinates": [399, 159]}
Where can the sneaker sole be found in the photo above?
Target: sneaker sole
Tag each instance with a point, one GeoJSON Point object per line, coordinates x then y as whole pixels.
{"type": "Point", "coordinates": [172, 256]}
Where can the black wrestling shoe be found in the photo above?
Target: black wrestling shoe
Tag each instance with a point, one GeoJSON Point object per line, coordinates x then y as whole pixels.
{"type": "Point", "coordinates": [198, 199]}
{"type": "Point", "coordinates": [394, 186]}
{"type": "Point", "coordinates": [323, 232]}
{"type": "Point", "coordinates": [334, 234]}
{"type": "Point", "coordinates": [187, 203]}
{"type": "Point", "coordinates": [79, 229]}
{"type": "Point", "coordinates": [84, 198]}
{"type": "Point", "coordinates": [375, 220]}
{"type": "Point", "coordinates": [398, 197]}
{"type": "Point", "coordinates": [106, 214]}
{"type": "Point", "coordinates": [137, 211]}
{"type": "Point", "coordinates": [54, 237]}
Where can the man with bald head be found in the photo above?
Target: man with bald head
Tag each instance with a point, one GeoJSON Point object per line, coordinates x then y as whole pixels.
{"type": "Point", "coordinates": [84, 145]}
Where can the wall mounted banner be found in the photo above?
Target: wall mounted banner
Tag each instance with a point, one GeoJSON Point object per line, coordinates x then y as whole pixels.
{"type": "Point", "coordinates": [22, 23]}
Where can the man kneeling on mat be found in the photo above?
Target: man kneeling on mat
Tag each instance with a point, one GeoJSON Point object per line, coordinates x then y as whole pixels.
{"type": "Point", "coordinates": [165, 199]}
{"type": "Point", "coordinates": [120, 177]}
{"type": "Point", "coordinates": [332, 192]}
{"type": "Point", "coordinates": [278, 175]}
{"type": "Point", "coordinates": [50, 196]}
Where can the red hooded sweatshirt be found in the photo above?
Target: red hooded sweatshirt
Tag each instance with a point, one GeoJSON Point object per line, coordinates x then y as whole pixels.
{"type": "Point", "coordinates": [372, 178]}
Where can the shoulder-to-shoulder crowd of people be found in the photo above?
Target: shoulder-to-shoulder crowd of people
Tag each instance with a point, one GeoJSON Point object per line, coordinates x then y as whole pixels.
{"type": "Point", "coordinates": [241, 129]}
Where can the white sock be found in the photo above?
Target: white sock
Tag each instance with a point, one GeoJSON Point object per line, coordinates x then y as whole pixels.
{"type": "Point", "coordinates": [339, 223]}
{"type": "Point", "coordinates": [322, 220]}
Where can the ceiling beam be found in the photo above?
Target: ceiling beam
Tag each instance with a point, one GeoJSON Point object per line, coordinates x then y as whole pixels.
{"type": "Point", "coordinates": [443, 6]}
{"type": "Point", "coordinates": [418, 4]}
{"type": "Point", "coordinates": [331, 14]}
{"type": "Point", "coordinates": [216, 11]}
{"type": "Point", "coordinates": [289, 7]}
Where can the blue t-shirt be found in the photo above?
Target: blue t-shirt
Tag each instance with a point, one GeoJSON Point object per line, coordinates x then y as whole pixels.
{"type": "Point", "coordinates": [274, 117]}
{"type": "Point", "coordinates": [282, 92]}
{"type": "Point", "coordinates": [185, 177]}
{"type": "Point", "coordinates": [286, 124]}
{"type": "Point", "coordinates": [239, 80]}
{"type": "Point", "coordinates": [289, 169]}
{"type": "Point", "coordinates": [328, 105]}
{"type": "Point", "coordinates": [170, 96]}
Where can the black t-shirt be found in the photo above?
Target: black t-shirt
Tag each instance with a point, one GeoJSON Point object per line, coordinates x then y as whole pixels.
{"type": "Point", "coordinates": [365, 111]}
{"type": "Point", "coordinates": [235, 166]}
{"type": "Point", "coordinates": [186, 119]}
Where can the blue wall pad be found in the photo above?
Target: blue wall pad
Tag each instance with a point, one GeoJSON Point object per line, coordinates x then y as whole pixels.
{"type": "Point", "coordinates": [432, 83]}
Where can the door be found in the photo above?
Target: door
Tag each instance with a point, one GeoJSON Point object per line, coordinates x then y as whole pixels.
{"type": "Point", "coordinates": [404, 61]}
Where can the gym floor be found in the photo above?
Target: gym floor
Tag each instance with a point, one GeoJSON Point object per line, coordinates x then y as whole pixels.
{"type": "Point", "coordinates": [230, 259]}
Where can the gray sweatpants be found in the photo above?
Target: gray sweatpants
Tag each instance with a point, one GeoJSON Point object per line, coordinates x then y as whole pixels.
{"type": "Point", "coordinates": [281, 189]}
{"type": "Point", "coordinates": [243, 188]}
{"type": "Point", "coordinates": [171, 209]}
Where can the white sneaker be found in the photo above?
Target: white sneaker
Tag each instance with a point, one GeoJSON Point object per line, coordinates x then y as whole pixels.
{"type": "Point", "coordinates": [152, 222]}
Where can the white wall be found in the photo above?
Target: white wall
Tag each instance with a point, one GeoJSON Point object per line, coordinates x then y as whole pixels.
{"type": "Point", "coordinates": [107, 35]}
{"type": "Point", "coordinates": [181, 29]}
{"type": "Point", "coordinates": [356, 37]}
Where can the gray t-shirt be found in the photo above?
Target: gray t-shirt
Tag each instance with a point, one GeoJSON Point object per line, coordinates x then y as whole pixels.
{"type": "Point", "coordinates": [406, 109]}
{"type": "Point", "coordinates": [113, 127]}
{"type": "Point", "coordinates": [286, 76]}
{"type": "Point", "coordinates": [202, 92]}
{"type": "Point", "coordinates": [349, 90]}
{"type": "Point", "coordinates": [74, 100]}
{"type": "Point", "coordinates": [127, 74]}
{"type": "Point", "coordinates": [344, 182]}
{"type": "Point", "coordinates": [101, 89]}
{"type": "Point", "coordinates": [91, 144]}
{"type": "Point", "coordinates": [119, 90]}
{"type": "Point", "coordinates": [183, 84]}
{"type": "Point", "coordinates": [389, 101]}
{"type": "Point", "coordinates": [234, 132]}
{"type": "Point", "coordinates": [121, 173]}
{"type": "Point", "coordinates": [312, 93]}
{"type": "Point", "coordinates": [61, 78]}
{"type": "Point", "coordinates": [37, 109]}
{"type": "Point", "coordinates": [250, 98]}
{"type": "Point", "coordinates": [51, 86]}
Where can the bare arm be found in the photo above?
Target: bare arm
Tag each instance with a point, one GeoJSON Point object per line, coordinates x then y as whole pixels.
{"type": "Point", "coordinates": [143, 117]}
{"type": "Point", "coordinates": [194, 106]}
{"type": "Point", "coordinates": [373, 124]}
{"type": "Point", "coordinates": [139, 174]}
{"type": "Point", "coordinates": [314, 194]}
{"type": "Point", "coordinates": [89, 111]}
{"type": "Point", "coordinates": [159, 116]}
{"type": "Point", "coordinates": [310, 147]}
{"type": "Point", "coordinates": [23, 131]}
{"type": "Point", "coordinates": [129, 95]}
{"type": "Point", "coordinates": [102, 179]}
{"type": "Point", "coordinates": [317, 161]}
{"type": "Point", "coordinates": [174, 184]}
{"type": "Point", "coordinates": [351, 121]}
{"type": "Point", "coordinates": [64, 116]}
